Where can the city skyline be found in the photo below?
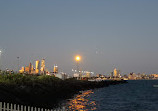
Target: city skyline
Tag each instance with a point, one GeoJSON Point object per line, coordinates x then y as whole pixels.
{"type": "Point", "coordinates": [107, 34]}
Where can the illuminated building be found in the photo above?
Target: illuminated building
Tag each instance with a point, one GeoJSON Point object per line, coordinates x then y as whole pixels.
{"type": "Point", "coordinates": [32, 69]}
{"type": "Point", "coordinates": [37, 70]}
{"type": "Point", "coordinates": [76, 75]}
{"type": "Point", "coordinates": [22, 70]}
{"type": "Point", "coordinates": [116, 72]}
{"type": "Point", "coordinates": [27, 70]}
{"type": "Point", "coordinates": [99, 75]}
{"type": "Point", "coordinates": [55, 69]}
{"type": "Point", "coordinates": [88, 74]}
{"type": "Point", "coordinates": [30, 65]}
{"type": "Point", "coordinates": [61, 75]}
{"type": "Point", "coordinates": [132, 76]}
{"type": "Point", "coordinates": [42, 66]}
{"type": "Point", "coordinates": [154, 75]}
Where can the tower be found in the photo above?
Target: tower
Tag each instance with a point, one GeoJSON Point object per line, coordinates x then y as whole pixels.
{"type": "Point", "coordinates": [30, 65]}
{"type": "Point", "coordinates": [22, 70]}
{"type": "Point", "coordinates": [115, 72]}
{"type": "Point", "coordinates": [55, 69]}
{"type": "Point", "coordinates": [32, 69]}
{"type": "Point", "coordinates": [43, 66]}
{"type": "Point", "coordinates": [37, 70]}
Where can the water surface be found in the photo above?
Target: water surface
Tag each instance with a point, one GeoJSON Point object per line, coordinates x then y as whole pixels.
{"type": "Point", "coordinates": [134, 96]}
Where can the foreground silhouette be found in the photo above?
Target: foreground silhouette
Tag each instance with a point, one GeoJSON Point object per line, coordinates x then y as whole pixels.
{"type": "Point", "coordinates": [43, 91]}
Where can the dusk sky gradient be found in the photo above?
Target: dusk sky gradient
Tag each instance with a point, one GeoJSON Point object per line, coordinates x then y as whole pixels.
{"type": "Point", "coordinates": [106, 33]}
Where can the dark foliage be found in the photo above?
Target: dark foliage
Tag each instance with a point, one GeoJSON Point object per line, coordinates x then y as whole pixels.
{"type": "Point", "coordinates": [43, 91]}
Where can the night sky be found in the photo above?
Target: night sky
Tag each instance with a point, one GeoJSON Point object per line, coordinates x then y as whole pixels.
{"type": "Point", "coordinates": [107, 34]}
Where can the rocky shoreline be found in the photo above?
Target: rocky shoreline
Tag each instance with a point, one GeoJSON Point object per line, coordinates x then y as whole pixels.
{"type": "Point", "coordinates": [44, 91]}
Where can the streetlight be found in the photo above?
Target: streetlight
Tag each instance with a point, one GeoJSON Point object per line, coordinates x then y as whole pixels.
{"type": "Point", "coordinates": [78, 58]}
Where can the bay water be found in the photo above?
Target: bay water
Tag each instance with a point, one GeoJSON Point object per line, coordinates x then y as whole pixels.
{"type": "Point", "coordinates": [136, 95]}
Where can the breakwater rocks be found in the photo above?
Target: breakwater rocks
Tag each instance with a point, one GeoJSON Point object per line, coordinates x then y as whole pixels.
{"type": "Point", "coordinates": [44, 91]}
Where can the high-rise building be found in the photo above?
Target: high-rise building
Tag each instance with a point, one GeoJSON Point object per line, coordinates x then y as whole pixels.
{"type": "Point", "coordinates": [43, 66]}
{"type": "Point", "coordinates": [33, 70]}
{"type": "Point", "coordinates": [37, 70]}
{"type": "Point", "coordinates": [27, 70]}
{"type": "Point", "coordinates": [22, 70]}
{"type": "Point", "coordinates": [115, 72]}
{"type": "Point", "coordinates": [30, 65]}
{"type": "Point", "coordinates": [55, 69]}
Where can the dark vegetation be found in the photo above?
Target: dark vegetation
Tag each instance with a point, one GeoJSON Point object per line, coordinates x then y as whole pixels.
{"type": "Point", "coordinates": [43, 91]}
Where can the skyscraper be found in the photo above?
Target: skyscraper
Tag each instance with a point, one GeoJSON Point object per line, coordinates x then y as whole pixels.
{"type": "Point", "coordinates": [32, 69]}
{"type": "Point", "coordinates": [43, 66]}
{"type": "Point", "coordinates": [37, 70]}
{"type": "Point", "coordinates": [22, 70]}
{"type": "Point", "coordinates": [55, 69]}
{"type": "Point", "coordinates": [115, 72]}
{"type": "Point", "coordinates": [30, 65]}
